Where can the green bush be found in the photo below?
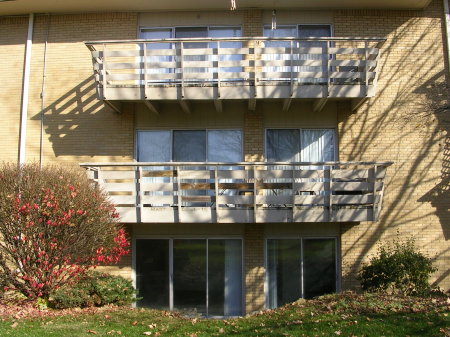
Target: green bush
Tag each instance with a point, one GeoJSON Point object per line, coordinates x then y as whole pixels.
{"type": "Point", "coordinates": [94, 289]}
{"type": "Point", "coordinates": [398, 268]}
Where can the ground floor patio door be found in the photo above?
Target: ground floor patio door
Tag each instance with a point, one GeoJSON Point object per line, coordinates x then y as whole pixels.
{"type": "Point", "coordinates": [300, 268]}
{"type": "Point", "coordinates": [193, 276]}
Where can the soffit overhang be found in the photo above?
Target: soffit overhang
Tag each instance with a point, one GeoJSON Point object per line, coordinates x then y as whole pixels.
{"type": "Point", "coordinates": [18, 7]}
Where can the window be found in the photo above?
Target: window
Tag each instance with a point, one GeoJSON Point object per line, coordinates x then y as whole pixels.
{"type": "Point", "coordinates": [189, 146]}
{"type": "Point", "coordinates": [300, 57]}
{"type": "Point", "coordinates": [191, 32]}
{"type": "Point", "coordinates": [294, 145]}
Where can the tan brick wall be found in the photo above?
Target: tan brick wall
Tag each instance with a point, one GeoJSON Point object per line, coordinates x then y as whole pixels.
{"type": "Point", "coordinates": [13, 36]}
{"type": "Point", "coordinates": [403, 123]}
{"type": "Point", "coordinates": [254, 267]}
{"type": "Point", "coordinates": [77, 126]}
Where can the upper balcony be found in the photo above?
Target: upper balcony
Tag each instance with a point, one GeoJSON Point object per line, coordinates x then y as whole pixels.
{"type": "Point", "coordinates": [243, 192]}
{"type": "Point", "coordinates": [237, 69]}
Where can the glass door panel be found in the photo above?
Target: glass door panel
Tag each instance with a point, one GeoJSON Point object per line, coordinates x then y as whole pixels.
{"type": "Point", "coordinates": [157, 33]}
{"type": "Point", "coordinates": [319, 267]}
{"type": "Point", "coordinates": [280, 31]}
{"type": "Point", "coordinates": [189, 276]}
{"type": "Point", "coordinates": [225, 32]}
{"type": "Point", "coordinates": [224, 277]}
{"type": "Point", "coordinates": [152, 273]}
{"type": "Point", "coordinates": [284, 271]}
{"type": "Point", "coordinates": [314, 31]}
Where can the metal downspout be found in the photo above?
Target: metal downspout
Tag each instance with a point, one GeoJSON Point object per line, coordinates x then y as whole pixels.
{"type": "Point", "coordinates": [41, 140]}
{"type": "Point", "coordinates": [447, 33]}
{"type": "Point", "coordinates": [25, 91]}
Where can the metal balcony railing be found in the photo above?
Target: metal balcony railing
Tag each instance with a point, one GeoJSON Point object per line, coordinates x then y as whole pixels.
{"type": "Point", "coordinates": [243, 192]}
{"type": "Point", "coordinates": [236, 68]}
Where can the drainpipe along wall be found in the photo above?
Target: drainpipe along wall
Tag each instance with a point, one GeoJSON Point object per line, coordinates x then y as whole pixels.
{"type": "Point", "coordinates": [25, 91]}
{"type": "Point", "coordinates": [447, 33]}
{"type": "Point", "coordinates": [41, 140]}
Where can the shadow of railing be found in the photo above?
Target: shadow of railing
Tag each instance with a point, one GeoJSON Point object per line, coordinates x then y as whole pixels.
{"type": "Point", "coordinates": [71, 121]}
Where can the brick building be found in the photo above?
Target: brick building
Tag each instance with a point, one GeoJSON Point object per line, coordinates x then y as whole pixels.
{"type": "Point", "coordinates": [256, 155]}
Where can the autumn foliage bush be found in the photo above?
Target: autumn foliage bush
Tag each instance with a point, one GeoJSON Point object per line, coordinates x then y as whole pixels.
{"type": "Point", "coordinates": [398, 268]}
{"type": "Point", "coordinates": [94, 289]}
{"type": "Point", "coordinates": [54, 226]}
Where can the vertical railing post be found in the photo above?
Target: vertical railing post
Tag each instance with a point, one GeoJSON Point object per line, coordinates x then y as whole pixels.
{"type": "Point", "coordinates": [374, 206]}
{"type": "Point", "coordinates": [255, 192]}
{"type": "Point", "coordinates": [218, 69]}
{"type": "Point", "coordinates": [328, 70]}
{"type": "Point", "coordinates": [292, 68]}
{"type": "Point", "coordinates": [216, 186]}
{"type": "Point", "coordinates": [377, 58]}
{"type": "Point", "coordinates": [366, 68]}
{"type": "Point", "coordinates": [105, 82]}
{"type": "Point", "coordinates": [255, 77]}
{"type": "Point", "coordinates": [293, 168]}
{"type": "Point", "coordinates": [179, 191]}
{"type": "Point", "coordinates": [330, 200]}
{"type": "Point", "coordinates": [182, 69]}
{"type": "Point", "coordinates": [145, 70]}
{"type": "Point", "coordinates": [381, 196]}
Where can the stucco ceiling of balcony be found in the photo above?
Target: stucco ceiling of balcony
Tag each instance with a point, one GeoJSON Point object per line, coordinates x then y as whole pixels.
{"type": "Point", "coordinates": [17, 7]}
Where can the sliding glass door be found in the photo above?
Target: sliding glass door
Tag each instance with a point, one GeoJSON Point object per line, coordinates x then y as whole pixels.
{"type": "Point", "coordinates": [192, 276]}
{"type": "Point", "coordinates": [300, 268]}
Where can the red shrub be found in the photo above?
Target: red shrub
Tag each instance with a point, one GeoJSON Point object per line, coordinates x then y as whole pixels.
{"type": "Point", "coordinates": [54, 225]}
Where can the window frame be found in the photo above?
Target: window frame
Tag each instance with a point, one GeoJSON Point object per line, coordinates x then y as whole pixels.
{"type": "Point", "coordinates": [296, 25]}
{"type": "Point", "coordinates": [300, 237]}
{"type": "Point", "coordinates": [172, 237]}
{"type": "Point", "coordinates": [335, 135]}
{"type": "Point", "coordinates": [173, 28]}
{"type": "Point", "coordinates": [136, 143]}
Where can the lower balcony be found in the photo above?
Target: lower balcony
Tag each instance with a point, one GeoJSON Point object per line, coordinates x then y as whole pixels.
{"type": "Point", "coordinates": [243, 192]}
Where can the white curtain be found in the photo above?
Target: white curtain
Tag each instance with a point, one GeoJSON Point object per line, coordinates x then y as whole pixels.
{"type": "Point", "coordinates": [317, 145]}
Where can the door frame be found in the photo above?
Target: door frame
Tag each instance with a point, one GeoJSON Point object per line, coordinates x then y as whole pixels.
{"type": "Point", "coordinates": [170, 276]}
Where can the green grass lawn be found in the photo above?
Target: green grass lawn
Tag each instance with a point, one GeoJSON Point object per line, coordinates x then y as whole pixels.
{"type": "Point", "coordinates": [335, 315]}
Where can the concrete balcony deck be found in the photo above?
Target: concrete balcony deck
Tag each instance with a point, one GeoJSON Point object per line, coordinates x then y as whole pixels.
{"type": "Point", "coordinates": [243, 192]}
{"type": "Point", "coordinates": [237, 69]}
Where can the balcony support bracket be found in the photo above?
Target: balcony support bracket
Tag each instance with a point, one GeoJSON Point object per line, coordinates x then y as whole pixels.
{"type": "Point", "coordinates": [356, 103]}
{"type": "Point", "coordinates": [287, 104]}
{"type": "Point", "coordinates": [185, 106]}
{"type": "Point", "coordinates": [252, 104]}
{"type": "Point", "coordinates": [117, 107]}
{"type": "Point", "coordinates": [319, 104]}
{"type": "Point", "coordinates": [152, 107]}
{"type": "Point", "coordinates": [218, 105]}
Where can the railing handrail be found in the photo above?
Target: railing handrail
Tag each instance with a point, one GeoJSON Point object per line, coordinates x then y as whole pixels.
{"type": "Point", "coordinates": [380, 40]}
{"type": "Point", "coordinates": [325, 163]}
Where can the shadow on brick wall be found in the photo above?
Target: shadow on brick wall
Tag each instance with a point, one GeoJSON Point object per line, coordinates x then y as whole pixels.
{"type": "Point", "coordinates": [79, 125]}
{"type": "Point", "coordinates": [407, 122]}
